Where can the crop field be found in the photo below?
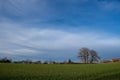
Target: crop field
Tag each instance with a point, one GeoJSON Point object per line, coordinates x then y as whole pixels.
{"type": "Point", "coordinates": [108, 71]}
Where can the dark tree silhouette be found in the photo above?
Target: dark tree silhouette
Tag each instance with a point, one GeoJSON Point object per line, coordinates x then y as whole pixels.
{"type": "Point", "coordinates": [88, 56]}
{"type": "Point", "coordinates": [70, 61]}
{"type": "Point", "coordinates": [5, 60]}
{"type": "Point", "coordinates": [94, 56]}
{"type": "Point", "coordinates": [84, 55]}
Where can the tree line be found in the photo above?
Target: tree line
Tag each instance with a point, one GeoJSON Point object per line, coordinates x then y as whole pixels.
{"type": "Point", "coordinates": [85, 55]}
{"type": "Point", "coordinates": [5, 60]}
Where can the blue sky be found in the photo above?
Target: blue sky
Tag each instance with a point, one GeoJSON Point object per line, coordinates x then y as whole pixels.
{"type": "Point", "coordinates": [57, 29]}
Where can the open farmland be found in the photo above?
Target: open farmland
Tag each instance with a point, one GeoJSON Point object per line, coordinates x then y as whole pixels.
{"type": "Point", "coordinates": [109, 71]}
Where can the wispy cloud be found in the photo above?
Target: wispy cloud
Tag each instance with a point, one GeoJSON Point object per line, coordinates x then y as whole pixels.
{"type": "Point", "coordinates": [109, 5]}
{"type": "Point", "coordinates": [35, 9]}
{"type": "Point", "coordinates": [17, 40]}
{"type": "Point", "coordinates": [57, 28]}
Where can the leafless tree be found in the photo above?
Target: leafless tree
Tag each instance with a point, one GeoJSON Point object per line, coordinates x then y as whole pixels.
{"type": "Point", "coordinates": [94, 56]}
{"type": "Point", "coordinates": [88, 56]}
{"type": "Point", "coordinates": [84, 55]}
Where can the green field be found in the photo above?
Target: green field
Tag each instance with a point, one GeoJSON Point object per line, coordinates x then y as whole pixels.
{"type": "Point", "coordinates": [109, 71]}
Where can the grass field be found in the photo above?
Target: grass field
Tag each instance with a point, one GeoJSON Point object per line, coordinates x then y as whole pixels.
{"type": "Point", "coordinates": [109, 71]}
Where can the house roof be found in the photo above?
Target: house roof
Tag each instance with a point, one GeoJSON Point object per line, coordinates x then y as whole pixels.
{"type": "Point", "coordinates": [116, 59]}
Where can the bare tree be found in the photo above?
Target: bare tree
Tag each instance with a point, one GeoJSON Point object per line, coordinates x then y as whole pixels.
{"type": "Point", "coordinates": [88, 56]}
{"type": "Point", "coordinates": [84, 55]}
{"type": "Point", "coordinates": [94, 56]}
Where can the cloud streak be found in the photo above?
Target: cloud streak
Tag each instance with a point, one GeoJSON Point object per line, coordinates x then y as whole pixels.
{"type": "Point", "coordinates": [63, 12]}
{"type": "Point", "coordinates": [17, 40]}
{"type": "Point", "coordinates": [58, 28]}
{"type": "Point", "coordinates": [109, 5]}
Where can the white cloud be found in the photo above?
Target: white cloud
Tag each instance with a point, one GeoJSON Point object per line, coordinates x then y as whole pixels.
{"type": "Point", "coordinates": [17, 40]}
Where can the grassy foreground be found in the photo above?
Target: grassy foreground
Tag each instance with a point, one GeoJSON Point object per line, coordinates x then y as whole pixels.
{"type": "Point", "coordinates": [109, 71]}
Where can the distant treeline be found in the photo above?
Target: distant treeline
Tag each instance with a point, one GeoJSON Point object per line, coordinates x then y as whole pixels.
{"type": "Point", "coordinates": [85, 55]}
{"type": "Point", "coordinates": [5, 60]}
{"type": "Point", "coordinates": [28, 61]}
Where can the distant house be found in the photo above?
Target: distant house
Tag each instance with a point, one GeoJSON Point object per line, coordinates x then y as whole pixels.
{"type": "Point", "coordinates": [37, 62]}
{"type": "Point", "coordinates": [105, 61]}
{"type": "Point", "coordinates": [115, 60]}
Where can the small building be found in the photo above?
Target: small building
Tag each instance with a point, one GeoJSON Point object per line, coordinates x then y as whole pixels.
{"type": "Point", "coordinates": [115, 60]}
{"type": "Point", "coordinates": [106, 61]}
